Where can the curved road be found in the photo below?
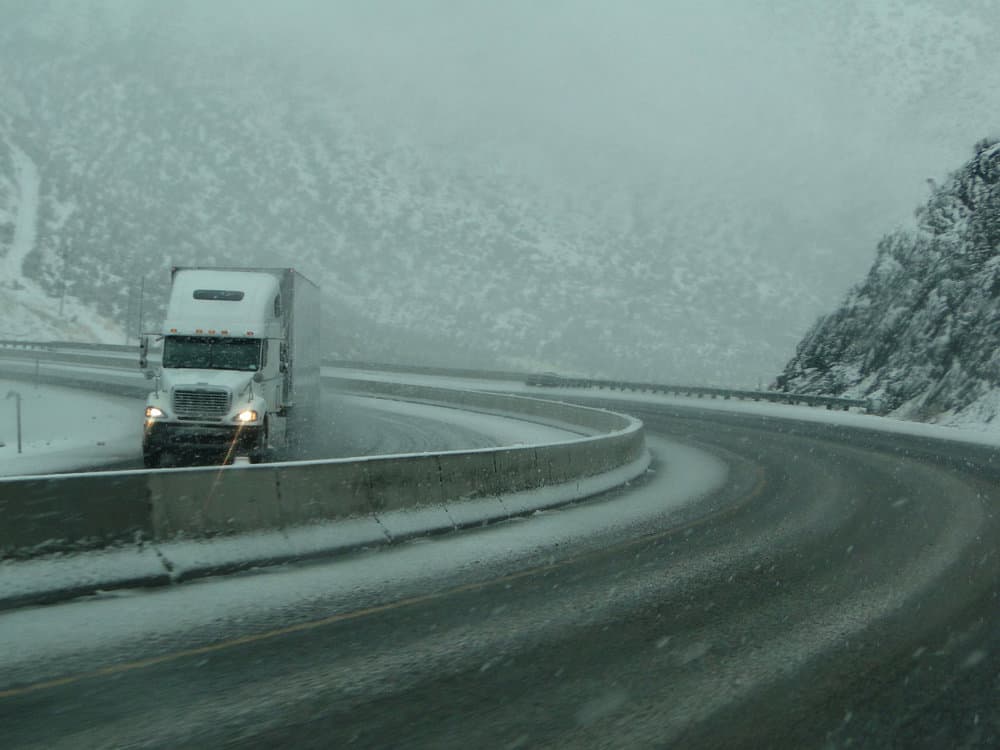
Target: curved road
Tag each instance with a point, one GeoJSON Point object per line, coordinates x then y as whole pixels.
{"type": "Point", "coordinates": [358, 426]}
{"type": "Point", "coordinates": [839, 588]}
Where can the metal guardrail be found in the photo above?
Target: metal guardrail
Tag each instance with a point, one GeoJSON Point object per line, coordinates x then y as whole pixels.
{"type": "Point", "coordinates": [56, 345]}
{"type": "Point", "coordinates": [779, 397]}
{"type": "Point", "coordinates": [88, 357]}
{"type": "Point", "coordinates": [56, 351]}
{"type": "Point", "coordinates": [454, 372]}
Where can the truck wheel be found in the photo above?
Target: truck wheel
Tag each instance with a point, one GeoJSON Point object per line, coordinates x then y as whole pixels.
{"type": "Point", "coordinates": [151, 459]}
{"type": "Point", "coordinates": [258, 454]}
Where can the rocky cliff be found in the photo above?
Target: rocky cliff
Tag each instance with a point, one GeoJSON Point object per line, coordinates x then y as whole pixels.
{"type": "Point", "coordinates": [921, 334]}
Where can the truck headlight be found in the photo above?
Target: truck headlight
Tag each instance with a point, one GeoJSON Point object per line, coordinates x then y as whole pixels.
{"type": "Point", "coordinates": [153, 412]}
{"type": "Point", "coordinates": [247, 415]}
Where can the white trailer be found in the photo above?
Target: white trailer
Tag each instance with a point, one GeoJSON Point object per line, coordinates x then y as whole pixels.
{"type": "Point", "coordinates": [240, 364]}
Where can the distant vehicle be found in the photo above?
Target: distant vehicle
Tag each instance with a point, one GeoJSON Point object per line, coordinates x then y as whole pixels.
{"type": "Point", "coordinates": [545, 379]}
{"type": "Point", "coordinates": [240, 368]}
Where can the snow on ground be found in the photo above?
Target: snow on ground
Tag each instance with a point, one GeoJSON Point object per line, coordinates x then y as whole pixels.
{"type": "Point", "coordinates": [131, 566]}
{"type": "Point", "coordinates": [960, 432]}
{"type": "Point", "coordinates": [434, 381]}
{"type": "Point", "coordinates": [112, 567]}
{"type": "Point", "coordinates": [505, 431]}
{"type": "Point", "coordinates": [27, 312]}
{"type": "Point", "coordinates": [980, 415]}
{"type": "Point", "coordinates": [967, 426]}
{"type": "Point", "coordinates": [64, 429]}
{"type": "Point", "coordinates": [218, 605]}
{"type": "Point", "coordinates": [26, 220]}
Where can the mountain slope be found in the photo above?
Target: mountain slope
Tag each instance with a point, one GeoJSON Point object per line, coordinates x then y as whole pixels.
{"type": "Point", "coordinates": [142, 165]}
{"type": "Point", "coordinates": [609, 243]}
{"type": "Point", "coordinates": [24, 304]}
{"type": "Point", "coordinates": [921, 334]}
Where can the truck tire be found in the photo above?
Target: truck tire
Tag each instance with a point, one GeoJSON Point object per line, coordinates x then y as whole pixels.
{"type": "Point", "coordinates": [151, 459]}
{"type": "Point", "coordinates": [258, 453]}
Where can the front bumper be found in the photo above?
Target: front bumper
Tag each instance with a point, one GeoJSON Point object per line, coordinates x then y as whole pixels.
{"type": "Point", "coordinates": [173, 435]}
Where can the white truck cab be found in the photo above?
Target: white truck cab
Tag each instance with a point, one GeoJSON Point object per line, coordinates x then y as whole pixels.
{"type": "Point", "coordinates": [235, 362]}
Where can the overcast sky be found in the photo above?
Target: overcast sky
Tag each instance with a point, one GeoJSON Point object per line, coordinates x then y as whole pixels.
{"type": "Point", "coordinates": [829, 112]}
{"type": "Point", "coordinates": [820, 120]}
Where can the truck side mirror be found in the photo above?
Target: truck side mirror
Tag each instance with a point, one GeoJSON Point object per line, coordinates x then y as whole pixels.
{"type": "Point", "coordinates": [143, 354]}
{"type": "Point", "coordinates": [148, 374]}
{"type": "Point", "coordinates": [258, 377]}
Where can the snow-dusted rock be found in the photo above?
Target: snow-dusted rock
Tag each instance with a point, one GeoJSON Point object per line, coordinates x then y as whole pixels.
{"type": "Point", "coordinates": [921, 334]}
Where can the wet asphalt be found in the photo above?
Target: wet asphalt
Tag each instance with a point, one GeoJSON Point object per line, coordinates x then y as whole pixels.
{"type": "Point", "coordinates": [840, 590]}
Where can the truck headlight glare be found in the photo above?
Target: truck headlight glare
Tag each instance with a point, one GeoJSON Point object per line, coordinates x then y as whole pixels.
{"type": "Point", "coordinates": [152, 412]}
{"type": "Point", "coordinates": [247, 415]}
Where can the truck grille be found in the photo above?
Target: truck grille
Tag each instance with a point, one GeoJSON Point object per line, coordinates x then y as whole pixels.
{"type": "Point", "coordinates": [200, 403]}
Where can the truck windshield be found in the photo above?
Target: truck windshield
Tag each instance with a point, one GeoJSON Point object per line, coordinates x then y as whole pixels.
{"type": "Point", "coordinates": [211, 353]}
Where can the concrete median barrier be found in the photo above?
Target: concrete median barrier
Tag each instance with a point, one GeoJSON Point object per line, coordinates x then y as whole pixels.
{"type": "Point", "coordinates": [75, 511]}
{"type": "Point", "coordinates": [390, 496]}
{"type": "Point", "coordinates": [336, 489]}
{"type": "Point", "coordinates": [211, 501]}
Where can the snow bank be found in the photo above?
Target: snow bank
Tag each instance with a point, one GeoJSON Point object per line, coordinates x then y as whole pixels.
{"type": "Point", "coordinates": [686, 476]}
{"type": "Point", "coordinates": [63, 429]}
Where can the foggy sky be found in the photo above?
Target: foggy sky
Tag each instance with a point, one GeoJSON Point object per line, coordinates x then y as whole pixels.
{"type": "Point", "coordinates": [822, 120]}
{"type": "Point", "coordinates": [832, 115]}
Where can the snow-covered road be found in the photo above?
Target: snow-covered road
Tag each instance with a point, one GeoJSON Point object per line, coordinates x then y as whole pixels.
{"type": "Point", "coordinates": [65, 429]}
{"type": "Point", "coordinates": [215, 605]}
{"type": "Point", "coordinates": [821, 572]}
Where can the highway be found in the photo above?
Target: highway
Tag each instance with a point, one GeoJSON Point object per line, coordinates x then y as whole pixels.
{"type": "Point", "coordinates": [351, 426]}
{"type": "Point", "coordinates": [838, 588]}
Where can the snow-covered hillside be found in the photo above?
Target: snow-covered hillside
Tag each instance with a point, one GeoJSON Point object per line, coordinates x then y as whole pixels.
{"type": "Point", "coordinates": [26, 310]}
{"type": "Point", "coordinates": [921, 335]}
{"type": "Point", "coordinates": [138, 135]}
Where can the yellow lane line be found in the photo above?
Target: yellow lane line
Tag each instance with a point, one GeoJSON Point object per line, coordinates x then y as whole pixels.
{"type": "Point", "coordinates": [115, 669]}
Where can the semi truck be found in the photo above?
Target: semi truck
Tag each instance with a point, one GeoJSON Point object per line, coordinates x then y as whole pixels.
{"type": "Point", "coordinates": [240, 365]}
